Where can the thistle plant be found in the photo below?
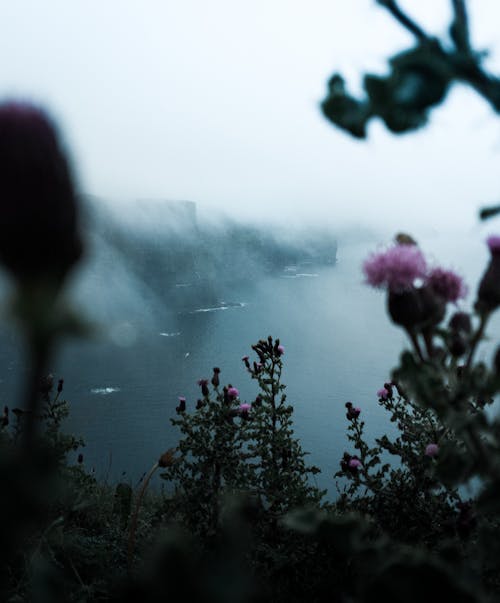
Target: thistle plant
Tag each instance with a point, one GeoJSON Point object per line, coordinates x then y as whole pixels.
{"type": "Point", "coordinates": [281, 476]}
{"type": "Point", "coordinates": [229, 447]}
{"type": "Point", "coordinates": [211, 456]}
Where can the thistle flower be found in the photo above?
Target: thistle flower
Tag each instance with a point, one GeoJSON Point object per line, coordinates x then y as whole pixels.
{"type": "Point", "coordinates": [353, 412]}
{"type": "Point", "coordinates": [38, 210]}
{"type": "Point", "coordinates": [431, 450]}
{"type": "Point", "coordinates": [382, 393]}
{"type": "Point", "coordinates": [281, 350]}
{"type": "Point", "coordinates": [232, 392]}
{"type": "Point", "coordinates": [354, 464]}
{"type": "Point", "coordinates": [397, 268]}
{"type": "Point", "coordinates": [447, 284]}
{"type": "Point", "coordinates": [244, 408]}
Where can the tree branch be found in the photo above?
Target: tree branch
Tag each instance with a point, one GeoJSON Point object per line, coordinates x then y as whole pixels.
{"type": "Point", "coordinates": [404, 19]}
{"type": "Point", "coordinates": [459, 29]}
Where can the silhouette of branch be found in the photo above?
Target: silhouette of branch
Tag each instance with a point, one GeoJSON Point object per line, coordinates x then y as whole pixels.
{"type": "Point", "coordinates": [404, 19]}
{"type": "Point", "coordinates": [459, 29]}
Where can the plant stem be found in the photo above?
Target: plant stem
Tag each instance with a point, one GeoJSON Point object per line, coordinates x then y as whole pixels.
{"type": "Point", "coordinates": [133, 522]}
{"type": "Point", "coordinates": [478, 335]}
{"type": "Point", "coordinates": [404, 19]}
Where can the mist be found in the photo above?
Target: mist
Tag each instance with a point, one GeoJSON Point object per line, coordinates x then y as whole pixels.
{"type": "Point", "coordinates": [219, 104]}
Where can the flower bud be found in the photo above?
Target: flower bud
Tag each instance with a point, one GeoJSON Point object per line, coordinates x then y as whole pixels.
{"type": "Point", "coordinates": [215, 377]}
{"type": "Point", "coordinates": [38, 210]}
{"type": "Point", "coordinates": [461, 322]}
{"type": "Point", "coordinates": [203, 383]}
{"type": "Point", "coordinates": [431, 450]}
{"type": "Point", "coordinates": [488, 295]}
{"type": "Point", "coordinates": [167, 459]}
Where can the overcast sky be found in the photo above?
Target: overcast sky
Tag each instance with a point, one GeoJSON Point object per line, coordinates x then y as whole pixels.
{"type": "Point", "coordinates": [216, 101]}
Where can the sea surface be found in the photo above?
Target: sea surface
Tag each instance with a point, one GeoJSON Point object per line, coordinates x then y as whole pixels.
{"type": "Point", "coordinates": [123, 383]}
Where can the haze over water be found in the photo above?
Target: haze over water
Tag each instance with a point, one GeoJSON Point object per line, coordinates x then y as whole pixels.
{"type": "Point", "coordinates": [339, 346]}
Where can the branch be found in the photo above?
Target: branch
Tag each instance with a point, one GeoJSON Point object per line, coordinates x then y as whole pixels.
{"type": "Point", "coordinates": [459, 29]}
{"type": "Point", "coordinates": [405, 20]}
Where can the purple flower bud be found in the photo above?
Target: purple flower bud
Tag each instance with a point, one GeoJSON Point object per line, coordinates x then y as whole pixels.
{"type": "Point", "coordinates": [244, 408]}
{"type": "Point", "coordinates": [431, 450]}
{"type": "Point", "coordinates": [38, 212]}
{"type": "Point", "coordinates": [281, 350]}
{"type": "Point", "coordinates": [215, 376]}
{"type": "Point", "coordinates": [182, 405]}
{"type": "Point", "coordinates": [203, 383]}
{"type": "Point", "coordinates": [352, 412]}
{"type": "Point", "coordinates": [488, 295]}
{"type": "Point", "coordinates": [461, 322]}
{"type": "Point", "coordinates": [383, 394]}
{"type": "Point", "coordinates": [232, 392]}
{"type": "Point", "coordinates": [354, 464]}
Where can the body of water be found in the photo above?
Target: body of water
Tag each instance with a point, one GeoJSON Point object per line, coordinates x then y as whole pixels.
{"type": "Point", "coordinates": [339, 346]}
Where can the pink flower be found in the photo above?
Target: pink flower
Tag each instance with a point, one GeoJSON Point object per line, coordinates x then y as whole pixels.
{"type": "Point", "coordinates": [383, 394]}
{"type": "Point", "coordinates": [431, 450]}
{"type": "Point", "coordinates": [447, 284]}
{"type": "Point", "coordinates": [353, 412]}
{"type": "Point", "coordinates": [232, 392]}
{"type": "Point", "coordinates": [397, 268]}
{"type": "Point", "coordinates": [493, 243]}
{"type": "Point", "coordinates": [354, 463]}
{"type": "Point", "coordinates": [245, 407]}
{"type": "Point", "coordinates": [281, 350]}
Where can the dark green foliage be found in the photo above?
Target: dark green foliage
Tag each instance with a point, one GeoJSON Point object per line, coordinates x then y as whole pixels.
{"type": "Point", "coordinates": [418, 80]}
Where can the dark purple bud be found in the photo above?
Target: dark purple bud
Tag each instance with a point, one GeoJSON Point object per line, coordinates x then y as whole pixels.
{"type": "Point", "coordinates": [352, 412]}
{"type": "Point", "coordinates": [258, 402]}
{"type": "Point", "coordinates": [60, 385]}
{"type": "Point", "coordinates": [182, 405]}
{"type": "Point", "coordinates": [199, 404]}
{"type": "Point", "coordinates": [488, 295]}
{"type": "Point", "coordinates": [203, 383]}
{"type": "Point", "coordinates": [38, 212]}
{"type": "Point", "coordinates": [461, 322]}
{"type": "Point", "coordinates": [215, 377]}
{"type": "Point", "coordinates": [80, 458]}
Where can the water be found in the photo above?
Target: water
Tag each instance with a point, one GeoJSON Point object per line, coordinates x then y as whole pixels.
{"type": "Point", "coordinates": [339, 345]}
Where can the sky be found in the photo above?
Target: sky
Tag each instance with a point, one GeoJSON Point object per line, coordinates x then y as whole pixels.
{"type": "Point", "coordinates": [217, 101]}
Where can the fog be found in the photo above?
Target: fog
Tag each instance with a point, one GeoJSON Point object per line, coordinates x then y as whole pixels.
{"type": "Point", "coordinates": [218, 103]}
